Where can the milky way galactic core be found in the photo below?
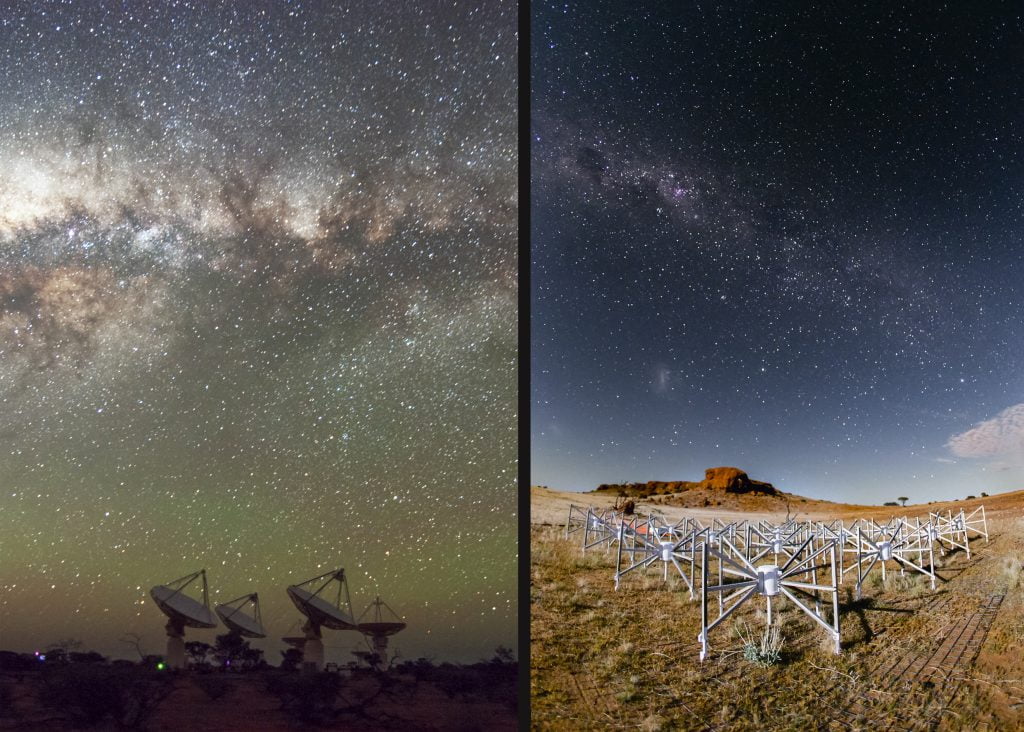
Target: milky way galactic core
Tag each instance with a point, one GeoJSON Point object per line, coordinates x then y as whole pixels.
{"type": "Point", "coordinates": [257, 314]}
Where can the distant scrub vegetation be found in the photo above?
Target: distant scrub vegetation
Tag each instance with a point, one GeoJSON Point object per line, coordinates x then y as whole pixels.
{"type": "Point", "coordinates": [85, 690]}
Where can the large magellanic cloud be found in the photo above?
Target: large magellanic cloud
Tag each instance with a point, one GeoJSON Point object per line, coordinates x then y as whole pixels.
{"type": "Point", "coordinates": [1001, 436]}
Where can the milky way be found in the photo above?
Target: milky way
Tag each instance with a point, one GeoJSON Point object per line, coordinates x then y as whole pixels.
{"type": "Point", "coordinates": [257, 314]}
{"type": "Point", "coordinates": [781, 239]}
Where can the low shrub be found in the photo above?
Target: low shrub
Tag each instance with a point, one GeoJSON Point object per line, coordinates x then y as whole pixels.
{"type": "Point", "coordinates": [764, 651]}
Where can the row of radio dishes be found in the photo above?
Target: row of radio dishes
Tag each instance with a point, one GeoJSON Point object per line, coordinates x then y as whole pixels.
{"type": "Point", "coordinates": [184, 611]}
{"type": "Point", "coordinates": [188, 612]}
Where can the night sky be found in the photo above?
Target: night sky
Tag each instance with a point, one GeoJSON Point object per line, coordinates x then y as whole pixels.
{"type": "Point", "coordinates": [782, 238]}
{"type": "Point", "coordinates": [258, 305]}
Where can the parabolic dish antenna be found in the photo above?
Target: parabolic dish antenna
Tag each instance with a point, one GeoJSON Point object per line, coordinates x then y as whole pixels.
{"type": "Point", "coordinates": [318, 609]}
{"type": "Point", "coordinates": [237, 619]}
{"type": "Point", "coordinates": [181, 608]}
{"type": "Point", "coordinates": [181, 611]}
{"type": "Point", "coordinates": [320, 612]}
{"type": "Point", "coordinates": [379, 626]}
{"type": "Point", "coordinates": [379, 623]}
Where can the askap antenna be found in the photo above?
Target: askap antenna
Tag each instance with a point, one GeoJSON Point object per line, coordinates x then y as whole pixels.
{"type": "Point", "coordinates": [295, 641]}
{"type": "Point", "coordinates": [379, 627]}
{"type": "Point", "coordinates": [321, 613]}
{"type": "Point", "coordinates": [237, 619]}
{"type": "Point", "coordinates": [182, 610]}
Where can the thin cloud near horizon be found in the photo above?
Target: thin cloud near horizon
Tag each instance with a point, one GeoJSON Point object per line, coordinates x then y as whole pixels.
{"type": "Point", "coordinates": [1002, 435]}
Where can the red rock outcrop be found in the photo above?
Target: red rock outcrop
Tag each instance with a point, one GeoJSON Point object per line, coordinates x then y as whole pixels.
{"type": "Point", "coordinates": [729, 480]}
{"type": "Point", "coordinates": [734, 480]}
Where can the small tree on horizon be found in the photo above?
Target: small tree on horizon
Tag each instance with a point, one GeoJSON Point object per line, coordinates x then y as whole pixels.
{"type": "Point", "coordinates": [503, 654]}
{"type": "Point", "coordinates": [290, 659]}
{"type": "Point", "coordinates": [65, 644]}
{"type": "Point", "coordinates": [198, 652]}
{"type": "Point", "coordinates": [903, 500]}
{"type": "Point", "coordinates": [228, 648]}
{"type": "Point", "coordinates": [371, 659]}
{"type": "Point", "coordinates": [231, 649]}
{"type": "Point", "coordinates": [135, 641]}
{"type": "Point", "coordinates": [86, 657]}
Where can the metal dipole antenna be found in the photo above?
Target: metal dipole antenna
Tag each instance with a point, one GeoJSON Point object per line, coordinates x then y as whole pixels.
{"type": "Point", "coordinates": [573, 522]}
{"type": "Point", "coordinates": [703, 635]}
{"type": "Point", "coordinates": [968, 524]}
{"type": "Point", "coordinates": [835, 594]}
{"type": "Point", "coordinates": [652, 548]}
{"type": "Point", "coordinates": [899, 546]}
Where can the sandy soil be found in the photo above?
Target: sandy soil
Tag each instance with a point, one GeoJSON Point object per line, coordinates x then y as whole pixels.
{"type": "Point", "coordinates": [550, 507]}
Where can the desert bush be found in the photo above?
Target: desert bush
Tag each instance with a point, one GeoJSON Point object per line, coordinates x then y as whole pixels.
{"type": "Point", "coordinates": [874, 581]}
{"type": "Point", "coordinates": [922, 585]}
{"type": "Point", "coordinates": [628, 694]}
{"type": "Point", "coordinates": [91, 694]}
{"type": "Point", "coordinates": [1011, 572]}
{"type": "Point", "coordinates": [764, 651]}
{"type": "Point", "coordinates": [87, 696]}
{"type": "Point", "coordinates": [457, 680]}
{"type": "Point", "coordinates": [86, 657]}
{"type": "Point", "coordinates": [309, 698]}
{"type": "Point", "coordinates": [900, 583]}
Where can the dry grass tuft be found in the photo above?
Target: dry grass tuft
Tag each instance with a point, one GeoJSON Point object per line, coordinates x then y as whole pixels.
{"type": "Point", "coordinates": [653, 723]}
{"type": "Point", "coordinates": [1011, 572]}
{"type": "Point", "coordinates": [763, 651]}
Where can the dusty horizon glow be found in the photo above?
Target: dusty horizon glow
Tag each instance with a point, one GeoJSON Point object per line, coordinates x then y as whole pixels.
{"type": "Point", "coordinates": [258, 308]}
{"type": "Point", "coordinates": [778, 240]}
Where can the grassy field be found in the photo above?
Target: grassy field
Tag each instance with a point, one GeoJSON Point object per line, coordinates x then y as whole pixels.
{"type": "Point", "coordinates": [912, 658]}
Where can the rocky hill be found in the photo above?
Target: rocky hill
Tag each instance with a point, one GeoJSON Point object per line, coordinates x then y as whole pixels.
{"type": "Point", "coordinates": [724, 480]}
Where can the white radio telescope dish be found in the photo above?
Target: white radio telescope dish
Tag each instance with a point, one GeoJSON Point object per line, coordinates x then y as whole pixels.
{"type": "Point", "coordinates": [318, 609]}
{"type": "Point", "coordinates": [234, 616]}
{"type": "Point", "coordinates": [379, 626]}
{"type": "Point", "coordinates": [321, 612]}
{"type": "Point", "coordinates": [181, 611]}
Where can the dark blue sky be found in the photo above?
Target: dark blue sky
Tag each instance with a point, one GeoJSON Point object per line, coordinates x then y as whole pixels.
{"type": "Point", "coordinates": [782, 239]}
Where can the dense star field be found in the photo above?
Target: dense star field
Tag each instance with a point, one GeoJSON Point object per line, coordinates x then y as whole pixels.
{"type": "Point", "coordinates": [258, 288]}
{"type": "Point", "coordinates": [781, 238]}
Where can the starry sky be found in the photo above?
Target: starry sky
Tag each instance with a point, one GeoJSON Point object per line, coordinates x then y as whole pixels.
{"type": "Point", "coordinates": [258, 307]}
{"type": "Point", "coordinates": [784, 237]}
